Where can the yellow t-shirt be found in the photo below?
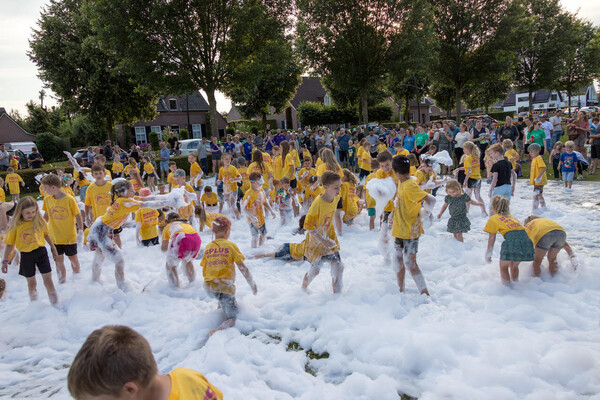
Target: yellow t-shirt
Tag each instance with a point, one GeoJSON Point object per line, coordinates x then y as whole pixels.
{"type": "Point", "coordinates": [128, 169]}
{"type": "Point", "coordinates": [171, 179]}
{"type": "Point", "coordinates": [84, 181]}
{"type": "Point", "coordinates": [289, 167]}
{"type": "Point", "coordinates": [14, 163]}
{"type": "Point", "coordinates": [498, 223]}
{"type": "Point", "coordinates": [323, 167]}
{"type": "Point", "coordinates": [186, 211]}
{"type": "Point", "coordinates": [423, 178]}
{"type": "Point", "coordinates": [313, 194]}
{"type": "Point", "coordinates": [176, 227]}
{"type": "Point", "coordinates": [210, 217]}
{"type": "Point", "coordinates": [368, 199]}
{"type": "Point", "coordinates": [319, 162]}
{"type": "Point", "coordinates": [303, 177]}
{"type": "Point", "coordinates": [537, 164]}
{"type": "Point", "coordinates": [255, 206]}
{"type": "Point", "coordinates": [117, 167]}
{"type": "Point", "coordinates": [119, 211]}
{"type": "Point", "coordinates": [381, 147]}
{"type": "Point", "coordinates": [381, 174]}
{"type": "Point", "coordinates": [99, 198]}
{"type": "Point", "coordinates": [195, 170]}
{"type": "Point", "coordinates": [364, 159]}
{"type": "Point", "coordinates": [407, 224]}
{"type": "Point", "coordinates": [2, 195]}
{"type": "Point", "coordinates": [108, 175]}
{"type": "Point", "coordinates": [413, 170]}
{"type": "Point", "coordinates": [297, 250]}
{"type": "Point", "coordinates": [475, 166]}
{"type": "Point", "coordinates": [187, 384]}
{"type": "Point", "coordinates": [267, 159]}
{"type": "Point", "coordinates": [306, 154]}
{"type": "Point", "coordinates": [211, 200]}
{"type": "Point", "coordinates": [349, 199]}
{"type": "Point", "coordinates": [148, 220]}
{"type": "Point", "coordinates": [294, 153]}
{"type": "Point", "coordinates": [402, 152]}
{"type": "Point", "coordinates": [68, 190]}
{"type": "Point", "coordinates": [61, 213]}
{"type": "Point", "coordinates": [218, 267]}
{"type": "Point", "coordinates": [228, 175]}
{"type": "Point", "coordinates": [320, 219]}
{"type": "Point", "coordinates": [148, 168]}
{"type": "Point", "coordinates": [254, 167]}
{"type": "Point", "coordinates": [13, 180]}
{"type": "Point", "coordinates": [25, 238]}
{"type": "Point", "coordinates": [512, 156]}
{"type": "Point", "coordinates": [245, 180]}
{"type": "Point", "coordinates": [277, 168]}
{"type": "Point", "coordinates": [539, 227]}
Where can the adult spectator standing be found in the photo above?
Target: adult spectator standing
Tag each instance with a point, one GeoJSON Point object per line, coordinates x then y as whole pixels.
{"type": "Point", "coordinates": [174, 143]}
{"type": "Point", "coordinates": [508, 131]}
{"type": "Point", "coordinates": [520, 142]}
{"type": "Point", "coordinates": [202, 155]}
{"type": "Point", "coordinates": [215, 150]}
{"type": "Point", "coordinates": [165, 156]}
{"type": "Point", "coordinates": [343, 145]}
{"type": "Point", "coordinates": [4, 158]}
{"type": "Point", "coordinates": [548, 129]}
{"type": "Point", "coordinates": [372, 138]}
{"type": "Point", "coordinates": [247, 148]}
{"type": "Point", "coordinates": [493, 133]}
{"type": "Point", "coordinates": [480, 135]}
{"type": "Point", "coordinates": [35, 159]}
{"type": "Point", "coordinates": [107, 150]}
{"type": "Point", "coordinates": [134, 153]}
{"type": "Point", "coordinates": [258, 140]}
{"type": "Point", "coordinates": [280, 137]}
{"type": "Point", "coordinates": [578, 131]}
{"type": "Point", "coordinates": [556, 122]}
{"type": "Point", "coordinates": [269, 143]}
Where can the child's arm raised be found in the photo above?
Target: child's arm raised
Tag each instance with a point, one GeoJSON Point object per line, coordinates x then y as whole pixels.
{"type": "Point", "coordinates": [248, 276]}
{"type": "Point", "coordinates": [490, 248]}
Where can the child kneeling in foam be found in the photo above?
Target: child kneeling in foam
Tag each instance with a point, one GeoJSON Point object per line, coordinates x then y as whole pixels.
{"type": "Point", "coordinates": [182, 243]}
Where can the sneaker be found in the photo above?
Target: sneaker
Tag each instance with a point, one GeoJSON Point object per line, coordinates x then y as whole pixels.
{"type": "Point", "coordinates": [579, 177]}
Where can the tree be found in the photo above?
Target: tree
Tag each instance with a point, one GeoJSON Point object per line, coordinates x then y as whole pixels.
{"type": "Point", "coordinates": [486, 95]}
{"type": "Point", "coordinates": [580, 63]}
{"type": "Point", "coordinates": [181, 44]}
{"type": "Point", "coordinates": [444, 97]}
{"type": "Point", "coordinates": [269, 77]}
{"type": "Point", "coordinates": [350, 42]}
{"type": "Point", "coordinates": [412, 86]}
{"type": "Point", "coordinates": [540, 36]}
{"type": "Point", "coordinates": [475, 42]}
{"type": "Point", "coordinates": [83, 75]}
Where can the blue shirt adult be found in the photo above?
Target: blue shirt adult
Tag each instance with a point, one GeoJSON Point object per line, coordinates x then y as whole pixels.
{"type": "Point", "coordinates": [454, 131]}
{"type": "Point", "coordinates": [409, 142]}
{"type": "Point", "coordinates": [343, 142]}
{"type": "Point", "coordinates": [569, 161]}
{"type": "Point", "coordinates": [248, 151]}
{"type": "Point", "coordinates": [229, 147]}
{"type": "Point", "coordinates": [279, 138]}
{"type": "Point", "coordinates": [165, 155]}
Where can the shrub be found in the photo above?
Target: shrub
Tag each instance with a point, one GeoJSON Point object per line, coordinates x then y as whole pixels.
{"type": "Point", "coordinates": [28, 176]}
{"type": "Point", "coordinates": [184, 134]}
{"type": "Point", "coordinates": [230, 130]}
{"type": "Point", "coordinates": [50, 146]}
{"type": "Point", "coordinates": [154, 141]}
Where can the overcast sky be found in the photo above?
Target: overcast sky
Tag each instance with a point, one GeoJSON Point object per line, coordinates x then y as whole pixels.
{"type": "Point", "coordinates": [18, 76]}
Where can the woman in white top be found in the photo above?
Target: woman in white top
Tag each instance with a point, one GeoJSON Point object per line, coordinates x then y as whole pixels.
{"type": "Point", "coordinates": [461, 137]}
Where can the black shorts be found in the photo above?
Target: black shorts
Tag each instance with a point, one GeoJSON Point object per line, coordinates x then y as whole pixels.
{"type": "Point", "coordinates": [150, 242]}
{"type": "Point", "coordinates": [474, 183]}
{"type": "Point", "coordinates": [31, 259]}
{"type": "Point", "coordinates": [12, 210]}
{"type": "Point", "coordinates": [69, 249]}
{"type": "Point", "coordinates": [595, 151]}
{"type": "Point", "coordinates": [284, 252]}
{"type": "Point", "coordinates": [343, 155]}
{"type": "Point", "coordinates": [407, 246]}
{"type": "Point", "coordinates": [294, 183]}
{"type": "Point", "coordinates": [118, 230]}
{"type": "Point", "coordinates": [330, 258]}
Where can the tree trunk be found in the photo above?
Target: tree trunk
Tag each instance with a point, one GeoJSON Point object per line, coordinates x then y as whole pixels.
{"type": "Point", "coordinates": [530, 102]}
{"type": "Point", "coordinates": [212, 113]}
{"type": "Point", "coordinates": [109, 127]}
{"type": "Point", "coordinates": [458, 107]}
{"type": "Point", "coordinates": [364, 100]}
{"type": "Point", "coordinates": [569, 100]}
{"type": "Point", "coordinates": [406, 111]}
{"type": "Point", "coordinates": [264, 121]}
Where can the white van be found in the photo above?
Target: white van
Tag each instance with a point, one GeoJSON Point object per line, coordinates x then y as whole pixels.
{"type": "Point", "coordinates": [25, 147]}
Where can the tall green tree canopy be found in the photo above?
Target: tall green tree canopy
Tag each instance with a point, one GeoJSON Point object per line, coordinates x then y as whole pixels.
{"type": "Point", "coordinates": [84, 76]}
{"type": "Point", "coordinates": [476, 43]}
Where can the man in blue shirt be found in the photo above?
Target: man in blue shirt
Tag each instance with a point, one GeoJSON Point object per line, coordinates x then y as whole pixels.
{"type": "Point", "coordinates": [247, 150]}
{"type": "Point", "coordinates": [165, 155]}
{"type": "Point", "coordinates": [343, 140]}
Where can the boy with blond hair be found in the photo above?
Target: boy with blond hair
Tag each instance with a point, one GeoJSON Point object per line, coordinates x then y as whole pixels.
{"type": "Point", "coordinates": [568, 164]}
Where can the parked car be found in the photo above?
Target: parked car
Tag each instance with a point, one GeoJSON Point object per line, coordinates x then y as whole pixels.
{"type": "Point", "coordinates": [188, 146]}
{"type": "Point", "coordinates": [21, 158]}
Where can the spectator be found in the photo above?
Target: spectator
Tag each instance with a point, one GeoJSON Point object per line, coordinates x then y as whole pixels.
{"type": "Point", "coordinates": [556, 122]}
{"type": "Point", "coordinates": [174, 143]}
{"type": "Point", "coordinates": [165, 155]}
{"type": "Point", "coordinates": [202, 156]}
{"type": "Point", "coordinates": [35, 159]}
{"type": "Point", "coordinates": [280, 137]}
{"type": "Point", "coordinates": [107, 151]}
{"type": "Point", "coordinates": [215, 150]}
{"type": "Point", "coordinates": [548, 129]}
{"type": "Point", "coordinates": [4, 158]}
{"type": "Point", "coordinates": [342, 141]}
{"type": "Point", "coordinates": [508, 131]}
{"type": "Point", "coordinates": [134, 153]}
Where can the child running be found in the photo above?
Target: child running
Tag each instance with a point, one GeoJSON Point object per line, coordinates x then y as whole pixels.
{"type": "Point", "coordinates": [28, 232]}
{"type": "Point", "coordinates": [370, 202]}
{"type": "Point", "coordinates": [150, 173]}
{"type": "Point", "coordinates": [116, 361]}
{"type": "Point", "coordinates": [407, 226]}
{"type": "Point", "coordinates": [537, 176]}
{"type": "Point", "coordinates": [549, 238]}
{"type": "Point", "coordinates": [253, 204]}
{"type": "Point", "coordinates": [182, 243]}
{"type": "Point", "coordinates": [321, 243]}
{"type": "Point", "coordinates": [218, 269]}
{"type": "Point", "coordinates": [63, 217]}
{"type": "Point", "coordinates": [457, 201]}
{"type": "Point", "coordinates": [209, 198]}
{"type": "Point", "coordinates": [504, 177]}
{"type": "Point", "coordinates": [472, 168]}
{"type": "Point", "coordinates": [285, 200]}
{"type": "Point", "coordinates": [516, 247]}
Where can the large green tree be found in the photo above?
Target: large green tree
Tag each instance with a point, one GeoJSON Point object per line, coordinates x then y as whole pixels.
{"type": "Point", "coordinates": [476, 43]}
{"type": "Point", "coordinates": [84, 76]}
{"type": "Point", "coordinates": [351, 42]}
{"type": "Point", "coordinates": [540, 36]}
{"type": "Point", "coordinates": [483, 96]}
{"type": "Point", "coordinates": [444, 97]}
{"type": "Point", "coordinates": [580, 61]}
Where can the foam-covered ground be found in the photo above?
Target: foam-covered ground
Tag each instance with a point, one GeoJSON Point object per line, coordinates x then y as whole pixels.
{"type": "Point", "coordinates": [473, 339]}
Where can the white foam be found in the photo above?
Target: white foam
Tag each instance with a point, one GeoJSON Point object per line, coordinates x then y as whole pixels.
{"type": "Point", "coordinates": [382, 190]}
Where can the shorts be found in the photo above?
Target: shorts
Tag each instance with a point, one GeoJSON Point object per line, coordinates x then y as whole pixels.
{"type": "Point", "coordinates": [408, 246]}
{"type": "Point", "coordinates": [284, 252]}
{"type": "Point", "coordinates": [343, 155]}
{"type": "Point", "coordinates": [31, 259]}
{"type": "Point", "coordinates": [474, 183]}
{"type": "Point", "coordinates": [504, 191]}
{"type": "Point", "coordinates": [538, 188]}
{"type": "Point", "coordinates": [164, 166]}
{"type": "Point", "coordinates": [294, 183]}
{"type": "Point", "coordinates": [568, 176]}
{"type": "Point", "coordinates": [330, 258]}
{"type": "Point", "coordinates": [212, 205]}
{"type": "Point", "coordinates": [386, 215]}
{"type": "Point", "coordinates": [216, 157]}
{"type": "Point", "coordinates": [580, 140]}
{"type": "Point", "coordinates": [185, 246]}
{"type": "Point", "coordinates": [150, 242]}
{"type": "Point", "coordinates": [198, 188]}
{"type": "Point", "coordinates": [82, 191]}
{"type": "Point", "coordinates": [69, 249]}
{"type": "Point", "coordinates": [371, 211]}
{"type": "Point", "coordinates": [555, 239]}
{"type": "Point", "coordinates": [262, 230]}
{"type": "Point", "coordinates": [227, 303]}
{"type": "Point", "coordinates": [100, 238]}
{"type": "Point", "coordinates": [595, 151]}
{"type": "Point", "coordinates": [117, 231]}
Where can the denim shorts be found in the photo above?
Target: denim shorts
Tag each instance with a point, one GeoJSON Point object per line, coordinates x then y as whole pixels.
{"type": "Point", "coordinates": [227, 303]}
{"type": "Point", "coordinates": [164, 166]}
{"type": "Point", "coordinates": [554, 239]}
{"type": "Point", "coordinates": [407, 246]}
{"type": "Point", "coordinates": [504, 191]}
{"type": "Point", "coordinates": [568, 176]}
{"type": "Point", "coordinates": [254, 231]}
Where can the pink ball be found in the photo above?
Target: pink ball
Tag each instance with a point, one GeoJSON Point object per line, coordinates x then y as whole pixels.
{"type": "Point", "coordinates": [145, 192]}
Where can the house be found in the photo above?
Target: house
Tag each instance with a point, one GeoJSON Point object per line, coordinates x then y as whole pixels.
{"type": "Point", "coordinates": [585, 96]}
{"type": "Point", "coordinates": [176, 112]}
{"type": "Point", "coordinates": [10, 131]}
{"type": "Point", "coordinates": [423, 108]}
{"type": "Point", "coordinates": [550, 99]}
{"type": "Point", "coordinates": [309, 90]}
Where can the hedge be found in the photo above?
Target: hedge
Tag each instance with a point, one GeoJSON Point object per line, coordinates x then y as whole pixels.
{"type": "Point", "coordinates": [247, 125]}
{"type": "Point", "coordinates": [28, 176]}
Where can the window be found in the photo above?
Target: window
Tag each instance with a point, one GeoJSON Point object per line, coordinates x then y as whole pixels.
{"type": "Point", "coordinates": [283, 125]}
{"type": "Point", "coordinates": [327, 100]}
{"type": "Point", "coordinates": [173, 104]}
{"type": "Point", "coordinates": [140, 134]}
{"type": "Point", "coordinates": [175, 128]}
{"type": "Point", "coordinates": [554, 97]}
{"type": "Point", "coordinates": [156, 129]}
{"type": "Point", "coordinates": [523, 99]}
{"type": "Point", "coordinates": [196, 131]}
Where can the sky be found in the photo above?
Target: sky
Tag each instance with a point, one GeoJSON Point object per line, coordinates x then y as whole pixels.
{"type": "Point", "coordinates": [18, 75]}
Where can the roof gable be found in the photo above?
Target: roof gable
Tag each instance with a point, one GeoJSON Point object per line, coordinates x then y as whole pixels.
{"type": "Point", "coordinates": [10, 131]}
{"type": "Point", "coordinates": [310, 89]}
{"type": "Point", "coordinates": [195, 101]}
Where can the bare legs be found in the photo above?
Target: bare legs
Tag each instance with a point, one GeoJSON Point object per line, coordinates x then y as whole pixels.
{"type": "Point", "coordinates": [47, 279]}
{"type": "Point", "coordinates": [337, 274]}
{"type": "Point", "coordinates": [172, 275]}
{"type": "Point", "coordinates": [509, 270]}
{"type": "Point", "coordinates": [60, 267]}
{"type": "Point", "coordinates": [410, 260]}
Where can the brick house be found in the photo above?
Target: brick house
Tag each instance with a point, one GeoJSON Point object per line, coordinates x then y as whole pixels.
{"type": "Point", "coordinates": [424, 108]}
{"type": "Point", "coordinates": [10, 131]}
{"type": "Point", "coordinates": [176, 112]}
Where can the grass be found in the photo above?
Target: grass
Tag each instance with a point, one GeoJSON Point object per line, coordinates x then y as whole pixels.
{"type": "Point", "coordinates": [525, 168]}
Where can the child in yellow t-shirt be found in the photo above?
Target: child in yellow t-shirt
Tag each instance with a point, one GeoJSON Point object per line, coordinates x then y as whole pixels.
{"type": "Point", "coordinates": [407, 226]}
{"type": "Point", "coordinates": [369, 201]}
{"type": "Point", "coordinates": [399, 149]}
{"type": "Point", "coordinates": [14, 163]}
{"type": "Point", "coordinates": [13, 181]}
{"type": "Point", "coordinates": [181, 242]}
{"type": "Point", "coordinates": [130, 367]}
{"type": "Point", "coordinates": [321, 243]}
{"type": "Point", "coordinates": [28, 232]}
{"type": "Point", "coordinates": [2, 193]}
{"type": "Point", "coordinates": [185, 212]}
{"type": "Point", "coordinates": [209, 198]}
{"type": "Point", "coordinates": [537, 175]}
{"type": "Point", "coordinates": [205, 219]}
{"type": "Point", "coordinates": [277, 163]}
{"type": "Point", "coordinates": [195, 175]}
{"type": "Point", "coordinates": [253, 204]}
{"type": "Point", "coordinates": [229, 176]}
{"type": "Point", "coordinates": [146, 221]}
{"type": "Point", "coordinates": [517, 246]}
{"type": "Point", "coordinates": [364, 159]}
{"type": "Point", "coordinates": [117, 167]}
{"type": "Point", "coordinates": [98, 197]}
{"type": "Point", "coordinates": [510, 153]}
{"type": "Point", "coordinates": [304, 174]}
{"type": "Point", "coordinates": [472, 168]}
{"type": "Point", "coordinates": [134, 176]}
{"type": "Point", "coordinates": [62, 215]}
{"type": "Point", "coordinates": [349, 198]}
{"type": "Point", "coordinates": [150, 173]}
{"type": "Point", "coordinates": [245, 173]}
{"type": "Point", "coordinates": [170, 179]}
{"type": "Point", "coordinates": [312, 191]}
{"type": "Point", "coordinates": [548, 238]}
{"type": "Point", "coordinates": [218, 270]}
